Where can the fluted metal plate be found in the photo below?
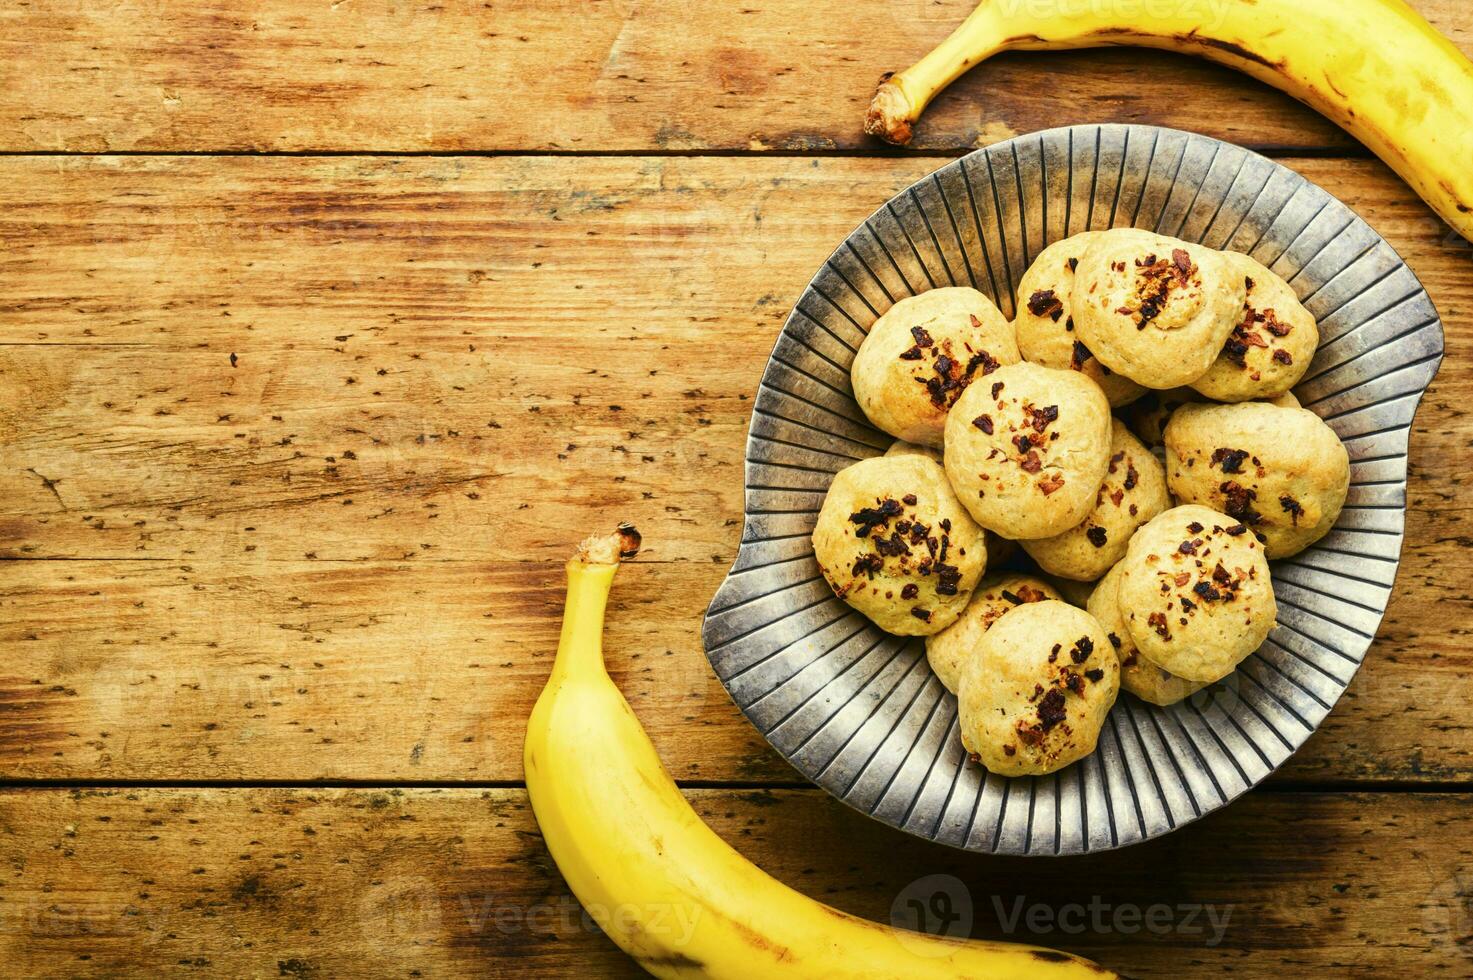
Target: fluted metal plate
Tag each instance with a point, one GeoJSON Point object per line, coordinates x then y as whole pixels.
{"type": "Point", "coordinates": [857, 710]}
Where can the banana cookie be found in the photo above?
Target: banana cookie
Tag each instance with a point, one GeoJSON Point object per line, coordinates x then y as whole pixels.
{"type": "Point", "coordinates": [902, 448]}
{"type": "Point", "coordinates": [1146, 680]}
{"type": "Point", "coordinates": [1270, 348]}
{"type": "Point", "coordinates": [1045, 320]}
{"type": "Point", "coordinates": [1147, 416]}
{"type": "Point", "coordinates": [1134, 491]}
{"type": "Point", "coordinates": [1035, 695]}
{"type": "Point", "coordinates": [949, 650]}
{"type": "Point", "coordinates": [895, 543]}
{"type": "Point", "coordinates": [1153, 308]}
{"type": "Point", "coordinates": [922, 354]}
{"type": "Point", "coordinates": [1027, 448]}
{"type": "Point", "coordinates": [1195, 592]}
{"type": "Point", "coordinates": [1279, 470]}
{"type": "Point", "coordinates": [999, 549]}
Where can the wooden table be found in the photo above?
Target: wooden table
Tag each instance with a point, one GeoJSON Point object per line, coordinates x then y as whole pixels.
{"type": "Point", "coordinates": [326, 329]}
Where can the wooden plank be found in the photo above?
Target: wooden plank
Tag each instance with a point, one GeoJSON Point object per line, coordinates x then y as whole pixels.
{"type": "Point", "coordinates": [335, 670]}
{"type": "Point", "coordinates": [128, 435]}
{"type": "Point", "coordinates": [528, 74]}
{"type": "Point", "coordinates": [457, 882]}
{"type": "Point", "coordinates": [427, 671]}
{"type": "Point", "coordinates": [218, 360]}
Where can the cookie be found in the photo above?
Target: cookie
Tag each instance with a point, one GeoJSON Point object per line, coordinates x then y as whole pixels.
{"type": "Point", "coordinates": [1035, 695]}
{"type": "Point", "coordinates": [949, 650]}
{"type": "Point", "coordinates": [922, 354]}
{"type": "Point", "coordinates": [1073, 592]}
{"type": "Point", "coordinates": [1153, 308]}
{"type": "Point", "coordinates": [1027, 448]}
{"type": "Point", "coordinates": [1195, 592]}
{"type": "Point", "coordinates": [1134, 491]}
{"type": "Point", "coordinates": [1272, 344]}
{"type": "Point", "coordinates": [1281, 471]}
{"type": "Point", "coordinates": [1146, 680]}
{"type": "Point", "coordinates": [1045, 321]}
{"type": "Point", "coordinates": [902, 448]}
{"type": "Point", "coordinates": [895, 543]}
{"type": "Point", "coordinates": [1147, 416]}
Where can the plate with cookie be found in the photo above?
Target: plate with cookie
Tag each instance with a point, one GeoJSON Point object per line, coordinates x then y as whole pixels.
{"type": "Point", "coordinates": [1075, 490]}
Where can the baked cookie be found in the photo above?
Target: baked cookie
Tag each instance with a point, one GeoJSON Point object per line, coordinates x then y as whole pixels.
{"type": "Point", "coordinates": [1146, 680]}
{"type": "Point", "coordinates": [1272, 344]}
{"type": "Point", "coordinates": [1134, 491]}
{"type": "Point", "coordinates": [1153, 308]}
{"type": "Point", "coordinates": [1045, 321]}
{"type": "Point", "coordinates": [1035, 694]}
{"type": "Point", "coordinates": [1027, 448]}
{"type": "Point", "coordinates": [996, 594]}
{"type": "Point", "coordinates": [1073, 592]}
{"type": "Point", "coordinates": [895, 543]}
{"type": "Point", "coordinates": [902, 448]}
{"type": "Point", "coordinates": [1281, 471]}
{"type": "Point", "coordinates": [922, 354]}
{"type": "Point", "coordinates": [1195, 592]}
{"type": "Point", "coordinates": [1147, 416]}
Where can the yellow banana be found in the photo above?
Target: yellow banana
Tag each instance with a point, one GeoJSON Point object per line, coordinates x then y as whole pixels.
{"type": "Point", "coordinates": [1375, 67]}
{"type": "Point", "coordinates": [660, 882]}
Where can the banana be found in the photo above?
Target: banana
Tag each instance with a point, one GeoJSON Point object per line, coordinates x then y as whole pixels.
{"type": "Point", "coordinates": [660, 882]}
{"type": "Point", "coordinates": [1375, 67]}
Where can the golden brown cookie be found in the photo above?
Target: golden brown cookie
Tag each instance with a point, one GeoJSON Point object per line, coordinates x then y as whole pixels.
{"type": "Point", "coordinates": [1045, 322]}
{"type": "Point", "coordinates": [902, 448]}
{"type": "Point", "coordinates": [1038, 690]}
{"type": "Point", "coordinates": [1146, 680]}
{"type": "Point", "coordinates": [895, 543]}
{"type": "Point", "coordinates": [1073, 592]}
{"type": "Point", "coordinates": [949, 650]}
{"type": "Point", "coordinates": [1027, 448]}
{"type": "Point", "coordinates": [922, 354]}
{"type": "Point", "coordinates": [1153, 308]}
{"type": "Point", "coordinates": [1271, 346]}
{"type": "Point", "coordinates": [1134, 491]}
{"type": "Point", "coordinates": [1281, 471]}
{"type": "Point", "coordinates": [1195, 592]}
{"type": "Point", "coordinates": [1147, 416]}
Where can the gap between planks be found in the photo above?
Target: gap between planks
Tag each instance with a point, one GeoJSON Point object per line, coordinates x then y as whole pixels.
{"type": "Point", "coordinates": [940, 153]}
{"type": "Point", "coordinates": [1284, 788]}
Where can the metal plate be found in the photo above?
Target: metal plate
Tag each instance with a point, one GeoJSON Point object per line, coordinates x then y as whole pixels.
{"type": "Point", "coordinates": [857, 710]}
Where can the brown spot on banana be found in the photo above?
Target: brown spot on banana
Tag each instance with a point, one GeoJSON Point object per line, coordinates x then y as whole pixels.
{"type": "Point", "coordinates": [672, 961]}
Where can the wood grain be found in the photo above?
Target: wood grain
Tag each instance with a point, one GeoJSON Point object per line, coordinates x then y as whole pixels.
{"type": "Point", "coordinates": [335, 670]}
{"type": "Point", "coordinates": [318, 883]}
{"type": "Point", "coordinates": [326, 579]}
{"type": "Point", "coordinates": [364, 358]}
{"type": "Point", "coordinates": [380, 671]}
{"type": "Point", "coordinates": [614, 75]}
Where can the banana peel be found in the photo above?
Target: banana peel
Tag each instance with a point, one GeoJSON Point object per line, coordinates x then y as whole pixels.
{"type": "Point", "coordinates": [659, 881]}
{"type": "Point", "coordinates": [1374, 67]}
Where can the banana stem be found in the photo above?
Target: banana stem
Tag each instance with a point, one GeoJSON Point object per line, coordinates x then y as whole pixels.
{"type": "Point", "coordinates": [902, 97]}
{"type": "Point", "coordinates": [580, 649]}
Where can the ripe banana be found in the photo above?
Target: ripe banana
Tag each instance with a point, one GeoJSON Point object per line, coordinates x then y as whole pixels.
{"type": "Point", "coordinates": [660, 882]}
{"type": "Point", "coordinates": [1375, 67]}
